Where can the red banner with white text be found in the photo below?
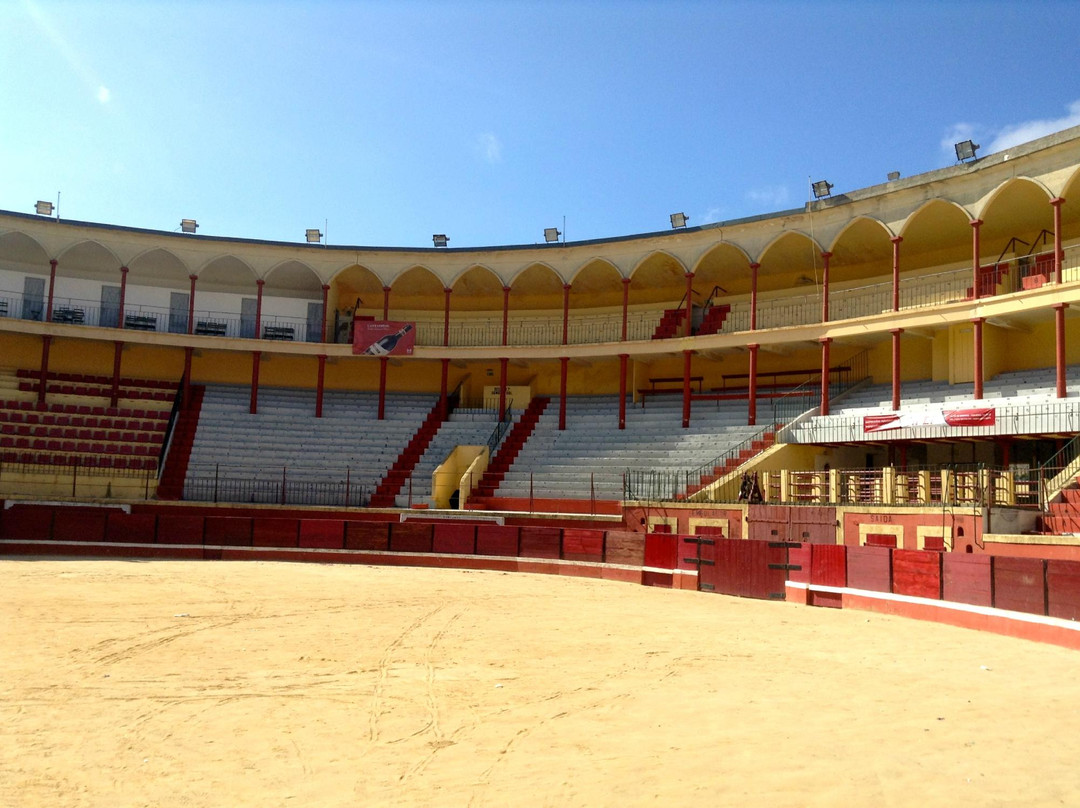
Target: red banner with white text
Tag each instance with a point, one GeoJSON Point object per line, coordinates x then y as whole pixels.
{"type": "Point", "coordinates": [980, 416]}
{"type": "Point", "coordinates": [383, 337]}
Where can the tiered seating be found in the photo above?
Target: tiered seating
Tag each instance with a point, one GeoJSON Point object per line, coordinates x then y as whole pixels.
{"type": "Point", "coordinates": [589, 457]}
{"type": "Point", "coordinates": [714, 319]}
{"type": "Point", "coordinates": [77, 384]}
{"type": "Point", "coordinates": [1063, 516]}
{"type": "Point", "coordinates": [285, 437]}
{"type": "Point", "coordinates": [670, 324]}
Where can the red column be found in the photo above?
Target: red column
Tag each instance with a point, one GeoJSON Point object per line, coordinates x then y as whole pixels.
{"type": "Point", "coordinates": [625, 304]}
{"type": "Point", "coordinates": [325, 297]}
{"type": "Point", "coordinates": [191, 305]}
{"type": "Point", "coordinates": [825, 287]}
{"type": "Point", "coordinates": [751, 419]}
{"type": "Point", "coordinates": [382, 387]}
{"type": "Point", "coordinates": [259, 284]}
{"type": "Point", "coordinates": [753, 295]}
{"type": "Point", "coordinates": [1057, 202]}
{"type": "Point", "coordinates": [689, 305]}
{"type": "Point", "coordinates": [319, 386]}
{"type": "Point", "coordinates": [114, 397]}
{"type": "Point", "coordinates": [622, 390]}
{"type": "Point", "coordinates": [256, 360]}
{"type": "Point", "coordinates": [386, 303]}
{"type": "Point", "coordinates": [446, 317]}
{"type": "Point", "coordinates": [975, 225]}
{"type": "Point", "coordinates": [187, 376]}
{"type": "Point", "coordinates": [506, 313]}
{"type": "Point", "coordinates": [52, 285]}
{"type": "Point", "coordinates": [686, 388]}
{"type": "Point", "coordinates": [443, 391]}
{"type": "Point", "coordinates": [896, 272]}
{"type": "Point", "coordinates": [978, 361]}
{"type": "Point", "coordinates": [562, 392]}
{"type": "Point", "coordinates": [1059, 347]}
{"type": "Point", "coordinates": [502, 387]}
{"type": "Point", "coordinates": [565, 311]}
{"type": "Point", "coordinates": [123, 296]}
{"type": "Point", "coordinates": [46, 343]}
{"type": "Point", "coordinates": [825, 342]}
{"type": "Point", "coordinates": [896, 332]}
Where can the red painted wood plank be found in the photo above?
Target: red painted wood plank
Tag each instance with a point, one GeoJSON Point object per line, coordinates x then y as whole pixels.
{"type": "Point", "coordinates": [541, 542]}
{"type": "Point", "coordinates": [497, 540]}
{"type": "Point", "coordinates": [869, 568]}
{"type": "Point", "coordinates": [580, 544]}
{"type": "Point", "coordinates": [966, 579]}
{"type": "Point", "coordinates": [1063, 589]}
{"type": "Point", "coordinates": [451, 538]}
{"type": "Point", "coordinates": [275, 532]}
{"type": "Point", "coordinates": [1019, 584]}
{"type": "Point", "coordinates": [131, 528]}
{"type": "Point", "coordinates": [326, 534]}
{"type": "Point", "coordinates": [411, 537]}
{"type": "Point", "coordinates": [232, 531]}
{"type": "Point", "coordinates": [180, 529]}
{"type": "Point", "coordinates": [917, 573]}
{"type": "Point", "coordinates": [367, 535]}
{"type": "Point", "coordinates": [624, 547]}
{"type": "Point", "coordinates": [27, 523]}
{"type": "Point", "coordinates": [661, 550]}
{"type": "Point", "coordinates": [828, 565]}
{"type": "Point", "coordinates": [79, 524]}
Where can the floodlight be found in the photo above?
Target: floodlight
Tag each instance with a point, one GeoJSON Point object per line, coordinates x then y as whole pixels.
{"type": "Point", "coordinates": [188, 225]}
{"type": "Point", "coordinates": [44, 208]}
{"type": "Point", "coordinates": [313, 236]}
{"type": "Point", "coordinates": [965, 150]}
{"type": "Point", "coordinates": [893, 176]}
{"type": "Point", "coordinates": [822, 188]}
{"type": "Point", "coordinates": [551, 234]}
{"type": "Point", "coordinates": [440, 239]}
{"type": "Point", "coordinates": [678, 220]}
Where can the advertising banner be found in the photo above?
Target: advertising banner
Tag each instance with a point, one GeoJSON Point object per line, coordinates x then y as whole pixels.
{"type": "Point", "coordinates": [383, 338]}
{"type": "Point", "coordinates": [981, 416]}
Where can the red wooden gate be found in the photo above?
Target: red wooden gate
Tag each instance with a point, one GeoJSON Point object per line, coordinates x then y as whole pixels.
{"type": "Point", "coordinates": [749, 569]}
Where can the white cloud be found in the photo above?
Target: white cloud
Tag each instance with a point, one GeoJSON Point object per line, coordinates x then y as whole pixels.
{"type": "Point", "coordinates": [103, 94]}
{"type": "Point", "coordinates": [772, 197]}
{"type": "Point", "coordinates": [1005, 137]}
{"type": "Point", "coordinates": [490, 147]}
{"type": "Point", "coordinates": [713, 214]}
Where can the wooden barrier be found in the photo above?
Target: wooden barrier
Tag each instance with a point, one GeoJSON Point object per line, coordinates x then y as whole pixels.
{"type": "Point", "coordinates": [27, 523]}
{"type": "Point", "coordinates": [1063, 589]}
{"type": "Point", "coordinates": [1019, 584]}
{"type": "Point", "coordinates": [130, 528]}
{"type": "Point", "coordinates": [411, 537]}
{"type": "Point", "coordinates": [275, 533]}
{"type": "Point", "coordinates": [624, 547]}
{"type": "Point", "coordinates": [917, 573]}
{"type": "Point", "coordinates": [367, 535]}
{"type": "Point", "coordinates": [325, 534]}
{"type": "Point", "coordinates": [454, 538]}
{"type": "Point", "coordinates": [966, 578]}
{"type": "Point", "coordinates": [870, 568]}
{"type": "Point", "coordinates": [230, 531]}
{"type": "Point", "coordinates": [180, 529]}
{"type": "Point", "coordinates": [580, 544]}
{"type": "Point", "coordinates": [497, 540]}
{"type": "Point", "coordinates": [540, 542]}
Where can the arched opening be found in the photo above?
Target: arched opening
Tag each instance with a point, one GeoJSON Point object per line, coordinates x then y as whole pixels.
{"type": "Point", "coordinates": [292, 299]}
{"type": "Point", "coordinates": [24, 277]}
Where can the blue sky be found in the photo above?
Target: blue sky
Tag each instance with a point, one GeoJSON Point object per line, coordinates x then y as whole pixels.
{"type": "Point", "coordinates": [491, 121]}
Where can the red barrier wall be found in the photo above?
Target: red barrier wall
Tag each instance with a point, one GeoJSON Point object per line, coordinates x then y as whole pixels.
{"type": "Point", "coordinates": [799, 556]}
{"type": "Point", "coordinates": [275, 533]}
{"type": "Point", "coordinates": [27, 523]}
{"type": "Point", "coordinates": [411, 537]}
{"type": "Point", "coordinates": [1019, 584]}
{"type": "Point", "coordinates": [367, 535]}
{"type": "Point", "coordinates": [1063, 589]}
{"type": "Point", "coordinates": [458, 539]}
{"type": "Point", "coordinates": [326, 534]}
{"type": "Point", "coordinates": [497, 540]}
{"type": "Point", "coordinates": [624, 547]}
{"type": "Point", "coordinates": [232, 531]}
{"type": "Point", "coordinates": [917, 573]}
{"type": "Point", "coordinates": [540, 542]}
{"type": "Point", "coordinates": [742, 567]}
{"type": "Point", "coordinates": [869, 568]}
{"type": "Point", "coordinates": [661, 550]}
{"type": "Point", "coordinates": [966, 579]}
{"type": "Point", "coordinates": [131, 528]}
{"type": "Point", "coordinates": [179, 529]}
{"type": "Point", "coordinates": [828, 565]}
{"type": "Point", "coordinates": [582, 545]}
{"type": "Point", "coordinates": [79, 524]}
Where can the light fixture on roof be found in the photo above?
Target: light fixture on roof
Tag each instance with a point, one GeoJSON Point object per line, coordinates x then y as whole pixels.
{"type": "Point", "coordinates": [440, 240]}
{"type": "Point", "coordinates": [43, 208]}
{"type": "Point", "coordinates": [313, 236]}
{"type": "Point", "coordinates": [965, 150]}
{"type": "Point", "coordinates": [821, 189]}
{"type": "Point", "coordinates": [678, 220]}
{"type": "Point", "coordinates": [188, 225]}
{"type": "Point", "coordinates": [894, 176]}
{"type": "Point", "coordinates": [551, 234]}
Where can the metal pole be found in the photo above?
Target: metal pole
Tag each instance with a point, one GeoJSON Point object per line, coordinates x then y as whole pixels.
{"type": "Point", "coordinates": [216, 468]}
{"type": "Point", "coordinates": [283, 484]}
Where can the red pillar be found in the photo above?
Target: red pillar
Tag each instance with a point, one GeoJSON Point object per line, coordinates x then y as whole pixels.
{"type": "Point", "coordinates": [256, 360]}
{"type": "Point", "coordinates": [187, 376]}
{"type": "Point", "coordinates": [259, 284]}
{"type": "Point", "coordinates": [382, 387]}
{"type": "Point", "coordinates": [446, 317]}
{"type": "Point", "coordinates": [506, 312]}
{"type": "Point", "coordinates": [502, 386]}
{"type": "Point", "coordinates": [52, 286]}
{"type": "Point", "coordinates": [562, 392]}
{"type": "Point", "coordinates": [1059, 347]}
{"type": "Point", "coordinates": [896, 332]}
{"type": "Point", "coordinates": [565, 311]}
{"type": "Point", "coordinates": [443, 389]}
{"type": "Point", "coordinates": [978, 361]}
{"type": "Point", "coordinates": [975, 225]}
{"type": "Point", "coordinates": [625, 304]}
{"type": "Point", "coordinates": [319, 386]}
{"type": "Point", "coordinates": [622, 390]}
{"type": "Point", "coordinates": [386, 303]}
{"type": "Point", "coordinates": [686, 388]}
{"type": "Point", "coordinates": [46, 343]}
{"type": "Point", "coordinates": [825, 287]}
{"type": "Point", "coordinates": [689, 305]}
{"type": "Point", "coordinates": [825, 342]}
{"type": "Point", "coordinates": [114, 397]}
{"type": "Point", "coordinates": [1057, 202]}
{"type": "Point", "coordinates": [191, 305]}
{"type": "Point", "coordinates": [896, 272]}
{"type": "Point", "coordinates": [325, 298]}
{"type": "Point", "coordinates": [123, 297]}
{"type": "Point", "coordinates": [753, 295]}
{"type": "Point", "coordinates": [751, 419]}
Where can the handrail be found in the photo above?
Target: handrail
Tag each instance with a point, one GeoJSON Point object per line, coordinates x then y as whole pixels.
{"type": "Point", "coordinates": [500, 430]}
{"type": "Point", "coordinates": [166, 442]}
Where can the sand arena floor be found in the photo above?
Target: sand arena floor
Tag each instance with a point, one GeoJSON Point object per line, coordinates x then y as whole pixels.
{"type": "Point", "coordinates": [262, 684]}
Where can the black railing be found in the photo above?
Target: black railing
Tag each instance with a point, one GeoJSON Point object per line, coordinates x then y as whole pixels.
{"type": "Point", "coordinates": [305, 486]}
{"type": "Point", "coordinates": [499, 432]}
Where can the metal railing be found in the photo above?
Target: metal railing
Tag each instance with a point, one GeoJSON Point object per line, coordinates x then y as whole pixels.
{"type": "Point", "coordinates": [75, 477]}
{"type": "Point", "coordinates": [296, 485]}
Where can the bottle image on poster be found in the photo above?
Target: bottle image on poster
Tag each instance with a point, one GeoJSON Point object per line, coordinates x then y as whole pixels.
{"type": "Point", "coordinates": [385, 345]}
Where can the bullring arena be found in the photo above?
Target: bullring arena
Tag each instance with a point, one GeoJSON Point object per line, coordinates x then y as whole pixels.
{"type": "Point", "coordinates": [308, 524]}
